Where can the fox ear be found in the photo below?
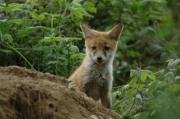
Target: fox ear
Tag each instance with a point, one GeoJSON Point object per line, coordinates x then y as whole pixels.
{"type": "Point", "coordinates": [116, 31]}
{"type": "Point", "coordinates": [87, 31]}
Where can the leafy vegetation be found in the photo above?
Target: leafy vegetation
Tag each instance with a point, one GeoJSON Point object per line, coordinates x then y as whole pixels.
{"type": "Point", "coordinates": [45, 35]}
{"type": "Point", "coordinates": [150, 94]}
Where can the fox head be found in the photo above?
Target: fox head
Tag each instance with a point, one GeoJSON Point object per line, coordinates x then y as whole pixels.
{"type": "Point", "coordinates": [101, 46]}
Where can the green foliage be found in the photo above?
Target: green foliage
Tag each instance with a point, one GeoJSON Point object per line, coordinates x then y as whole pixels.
{"type": "Point", "coordinates": [149, 26]}
{"type": "Point", "coordinates": [45, 35]}
{"type": "Point", "coordinates": [150, 95]}
{"type": "Point", "coordinates": [49, 30]}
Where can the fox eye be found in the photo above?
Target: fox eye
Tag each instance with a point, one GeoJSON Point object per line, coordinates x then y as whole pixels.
{"type": "Point", "coordinates": [106, 48]}
{"type": "Point", "coordinates": [93, 47]}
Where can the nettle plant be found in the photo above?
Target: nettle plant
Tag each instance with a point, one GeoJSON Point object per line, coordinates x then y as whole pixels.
{"type": "Point", "coordinates": [60, 55]}
{"type": "Point", "coordinates": [150, 95]}
{"type": "Point", "coordinates": [43, 35]}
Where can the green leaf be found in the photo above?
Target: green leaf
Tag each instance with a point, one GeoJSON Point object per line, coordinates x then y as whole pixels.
{"type": "Point", "coordinates": [89, 6]}
{"type": "Point", "coordinates": [151, 75]}
{"type": "Point", "coordinates": [173, 63]}
{"type": "Point", "coordinates": [74, 49]}
{"type": "Point", "coordinates": [170, 76]}
{"type": "Point", "coordinates": [36, 16]}
{"type": "Point", "coordinates": [12, 7]}
{"type": "Point", "coordinates": [16, 21]}
{"type": "Point", "coordinates": [144, 74]}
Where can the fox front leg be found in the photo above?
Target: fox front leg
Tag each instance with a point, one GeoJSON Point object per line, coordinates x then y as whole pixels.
{"type": "Point", "coordinates": [106, 99]}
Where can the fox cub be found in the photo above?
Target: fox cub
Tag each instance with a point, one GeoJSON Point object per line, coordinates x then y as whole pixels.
{"type": "Point", "coordinates": [94, 76]}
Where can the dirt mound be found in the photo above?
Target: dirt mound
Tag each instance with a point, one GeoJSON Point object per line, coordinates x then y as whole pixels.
{"type": "Point", "coordinates": [27, 94]}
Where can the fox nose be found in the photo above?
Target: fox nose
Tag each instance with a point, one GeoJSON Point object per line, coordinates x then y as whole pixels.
{"type": "Point", "coordinates": [99, 59]}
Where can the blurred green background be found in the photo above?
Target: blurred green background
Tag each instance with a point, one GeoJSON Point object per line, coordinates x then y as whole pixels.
{"type": "Point", "coordinates": [45, 35]}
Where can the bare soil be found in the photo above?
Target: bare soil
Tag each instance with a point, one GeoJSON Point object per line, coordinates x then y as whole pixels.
{"type": "Point", "coordinates": [28, 94]}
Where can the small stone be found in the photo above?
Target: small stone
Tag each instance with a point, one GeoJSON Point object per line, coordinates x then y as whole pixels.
{"type": "Point", "coordinates": [94, 117]}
